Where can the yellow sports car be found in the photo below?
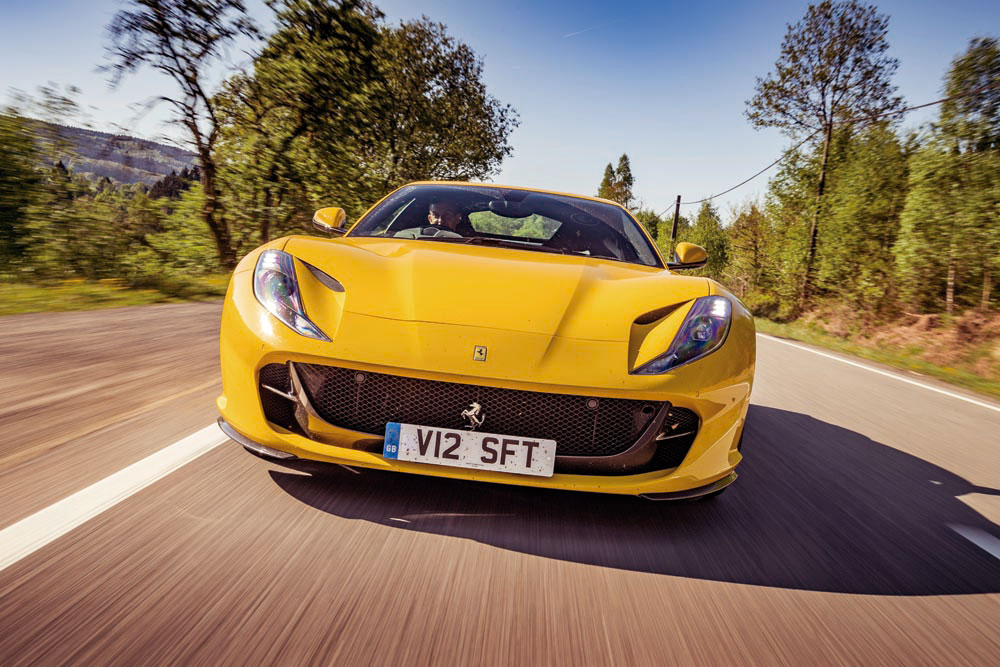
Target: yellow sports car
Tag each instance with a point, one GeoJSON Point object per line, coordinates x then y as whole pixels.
{"type": "Point", "coordinates": [489, 333]}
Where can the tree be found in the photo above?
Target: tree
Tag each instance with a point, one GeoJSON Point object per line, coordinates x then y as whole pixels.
{"type": "Point", "coordinates": [294, 125]}
{"type": "Point", "coordinates": [18, 185]}
{"type": "Point", "coordinates": [972, 117]}
{"type": "Point", "coordinates": [624, 182]}
{"type": "Point", "coordinates": [648, 218]}
{"type": "Point", "coordinates": [436, 120]}
{"type": "Point", "coordinates": [617, 183]}
{"type": "Point", "coordinates": [930, 251]}
{"type": "Point", "coordinates": [833, 70]}
{"type": "Point", "coordinates": [861, 221]}
{"type": "Point", "coordinates": [606, 190]}
{"type": "Point", "coordinates": [970, 123]}
{"type": "Point", "coordinates": [182, 39]}
{"type": "Point", "coordinates": [748, 263]}
{"type": "Point", "coordinates": [340, 104]}
{"type": "Point", "coordinates": [949, 237]}
{"type": "Point", "coordinates": [707, 232]}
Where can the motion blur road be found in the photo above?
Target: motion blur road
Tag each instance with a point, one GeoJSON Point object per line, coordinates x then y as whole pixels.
{"type": "Point", "coordinates": [863, 529]}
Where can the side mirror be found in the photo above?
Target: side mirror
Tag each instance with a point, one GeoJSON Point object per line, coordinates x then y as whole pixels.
{"type": "Point", "coordinates": [330, 220]}
{"type": "Point", "coordinates": [688, 256]}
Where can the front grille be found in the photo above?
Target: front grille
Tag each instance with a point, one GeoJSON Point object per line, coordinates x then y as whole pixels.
{"type": "Point", "coordinates": [580, 425]}
{"type": "Point", "coordinates": [364, 401]}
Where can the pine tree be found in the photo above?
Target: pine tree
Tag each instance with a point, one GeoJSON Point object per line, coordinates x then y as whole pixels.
{"type": "Point", "coordinates": [624, 181]}
{"type": "Point", "coordinates": [607, 188]}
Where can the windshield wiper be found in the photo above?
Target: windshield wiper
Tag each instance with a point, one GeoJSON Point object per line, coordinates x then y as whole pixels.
{"type": "Point", "coordinates": [611, 257]}
{"type": "Point", "coordinates": [489, 240]}
{"type": "Point", "coordinates": [514, 244]}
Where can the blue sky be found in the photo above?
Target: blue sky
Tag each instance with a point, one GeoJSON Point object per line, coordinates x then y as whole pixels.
{"type": "Point", "coordinates": [663, 81]}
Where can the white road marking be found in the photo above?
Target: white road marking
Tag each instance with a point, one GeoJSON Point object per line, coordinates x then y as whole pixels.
{"type": "Point", "coordinates": [894, 376]}
{"type": "Point", "coordinates": [34, 532]}
{"type": "Point", "coordinates": [980, 538]}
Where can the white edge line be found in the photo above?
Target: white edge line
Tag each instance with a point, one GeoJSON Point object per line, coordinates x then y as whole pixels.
{"type": "Point", "coordinates": [894, 376]}
{"type": "Point", "coordinates": [980, 538]}
{"type": "Point", "coordinates": [34, 532]}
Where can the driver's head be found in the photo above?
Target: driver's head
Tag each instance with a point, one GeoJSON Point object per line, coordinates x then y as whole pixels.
{"type": "Point", "coordinates": [444, 213]}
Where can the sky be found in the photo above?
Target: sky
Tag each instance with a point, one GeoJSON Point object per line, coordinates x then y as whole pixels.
{"type": "Point", "coordinates": [665, 82]}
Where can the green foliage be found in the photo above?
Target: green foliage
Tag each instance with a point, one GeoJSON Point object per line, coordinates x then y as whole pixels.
{"type": "Point", "coordinates": [617, 183]}
{"type": "Point", "coordinates": [18, 186]}
{"type": "Point", "coordinates": [341, 109]}
{"type": "Point", "coordinates": [534, 226]}
{"type": "Point", "coordinates": [338, 108]}
{"type": "Point", "coordinates": [973, 118]}
{"type": "Point", "coordinates": [606, 190]}
{"type": "Point", "coordinates": [437, 120]}
{"type": "Point", "coordinates": [182, 40]}
{"type": "Point", "coordinates": [861, 218]}
{"type": "Point", "coordinates": [648, 218]}
{"type": "Point", "coordinates": [833, 67]}
{"type": "Point", "coordinates": [707, 232]}
{"type": "Point", "coordinates": [949, 242]}
{"type": "Point", "coordinates": [749, 272]}
{"type": "Point", "coordinates": [789, 204]}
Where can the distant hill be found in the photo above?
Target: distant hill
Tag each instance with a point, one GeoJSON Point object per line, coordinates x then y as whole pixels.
{"type": "Point", "coordinates": [119, 157]}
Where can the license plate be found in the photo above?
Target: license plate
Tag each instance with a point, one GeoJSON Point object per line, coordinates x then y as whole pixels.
{"type": "Point", "coordinates": [469, 449]}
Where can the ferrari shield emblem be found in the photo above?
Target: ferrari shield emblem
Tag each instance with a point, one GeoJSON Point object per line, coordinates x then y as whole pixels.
{"type": "Point", "coordinates": [479, 353]}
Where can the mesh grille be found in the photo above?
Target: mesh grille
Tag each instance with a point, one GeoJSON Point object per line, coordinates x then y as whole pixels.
{"type": "Point", "coordinates": [366, 406]}
{"type": "Point", "coordinates": [580, 425]}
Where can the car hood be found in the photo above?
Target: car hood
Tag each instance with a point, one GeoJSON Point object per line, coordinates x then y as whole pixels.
{"type": "Point", "coordinates": [499, 288]}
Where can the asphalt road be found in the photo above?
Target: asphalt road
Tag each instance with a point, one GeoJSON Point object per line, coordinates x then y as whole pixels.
{"type": "Point", "coordinates": [859, 531]}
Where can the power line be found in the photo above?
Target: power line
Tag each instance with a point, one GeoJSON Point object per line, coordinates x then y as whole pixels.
{"type": "Point", "coordinates": [744, 182]}
{"type": "Point", "coordinates": [852, 121]}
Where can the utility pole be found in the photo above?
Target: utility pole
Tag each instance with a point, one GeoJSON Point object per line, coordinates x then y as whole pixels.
{"type": "Point", "coordinates": [673, 234]}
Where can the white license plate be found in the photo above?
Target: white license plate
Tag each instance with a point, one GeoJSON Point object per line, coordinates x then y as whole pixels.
{"type": "Point", "coordinates": [469, 449]}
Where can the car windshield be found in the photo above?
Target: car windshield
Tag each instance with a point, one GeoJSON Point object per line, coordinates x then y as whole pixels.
{"type": "Point", "coordinates": [504, 217]}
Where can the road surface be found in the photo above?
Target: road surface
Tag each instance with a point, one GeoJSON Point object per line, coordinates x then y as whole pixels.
{"type": "Point", "coordinates": [863, 529]}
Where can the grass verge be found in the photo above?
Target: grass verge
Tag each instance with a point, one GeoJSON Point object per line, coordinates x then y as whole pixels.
{"type": "Point", "coordinates": [896, 358]}
{"type": "Point", "coordinates": [88, 295]}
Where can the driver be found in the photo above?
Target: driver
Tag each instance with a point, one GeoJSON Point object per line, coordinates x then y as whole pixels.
{"type": "Point", "coordinates": [446, 214]}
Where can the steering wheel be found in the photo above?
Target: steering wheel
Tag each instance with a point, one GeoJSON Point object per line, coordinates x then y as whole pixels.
{"type": "Point", "coordinates": [426, 231]}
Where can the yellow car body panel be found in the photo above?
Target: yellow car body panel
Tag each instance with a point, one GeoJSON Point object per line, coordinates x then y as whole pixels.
{"type": "Point", "coordinates": [417, 309]}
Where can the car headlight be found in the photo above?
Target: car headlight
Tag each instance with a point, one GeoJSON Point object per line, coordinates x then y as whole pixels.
{"type": "Point", "coordinates": [277, 289]}
{"type": "Point", "coordinates": [704, 330]}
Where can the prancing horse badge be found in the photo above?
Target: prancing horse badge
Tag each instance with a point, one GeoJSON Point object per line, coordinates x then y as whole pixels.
{"type": "Point", "coordinates": [479, 353]}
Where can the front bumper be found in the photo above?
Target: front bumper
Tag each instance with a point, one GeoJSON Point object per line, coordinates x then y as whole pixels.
{"type": "Point", "coordinates": [716, 388]}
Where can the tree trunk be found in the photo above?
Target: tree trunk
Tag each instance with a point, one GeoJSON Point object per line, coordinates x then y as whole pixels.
{"type": "Point", "coordinates": [984, 303]}
{"type": "Point", "coordinates": [949, 292]}
{"type": "Point", "coordinates": [804, 294]}
{"type": "Point", "coordinates": [211, 214]}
